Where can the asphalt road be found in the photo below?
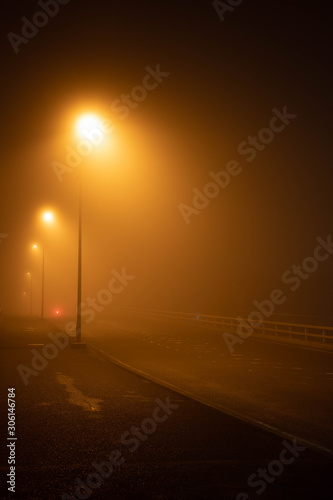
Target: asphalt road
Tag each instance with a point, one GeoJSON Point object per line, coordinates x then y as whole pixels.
{"type": "Point", "coordinates": [80, 410]}
{"type": "Point", "coordinates": [285, 387]}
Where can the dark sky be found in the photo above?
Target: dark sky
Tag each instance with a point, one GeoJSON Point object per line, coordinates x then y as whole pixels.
{"type": "Point", "coordinates": [225, 78]}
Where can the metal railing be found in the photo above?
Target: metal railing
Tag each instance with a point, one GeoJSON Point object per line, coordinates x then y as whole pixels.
{"type": "Point", "coordinates": [296, 331]}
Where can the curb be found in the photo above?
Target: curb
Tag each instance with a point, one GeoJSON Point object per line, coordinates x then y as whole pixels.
{"type": "Point", "coordinates": [261, 425]}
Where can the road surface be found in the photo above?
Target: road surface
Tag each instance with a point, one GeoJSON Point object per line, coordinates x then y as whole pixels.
{"type": "Point", "coordinates": [81, 410]}
{"type": "Point", "coordinates": [285, 387]}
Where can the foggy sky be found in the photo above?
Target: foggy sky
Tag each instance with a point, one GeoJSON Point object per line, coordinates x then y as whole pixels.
{"type": "Point", "coordinates": [224, 80]}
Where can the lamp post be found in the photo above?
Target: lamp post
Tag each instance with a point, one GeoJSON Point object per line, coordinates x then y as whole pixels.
{"type": "Point", "coordinates": [85, 125]}
{"type": "Point", "coordinates": [47, 218]}
{"type": "Point", "coordinates": [43, 260]}
{"type": "Point", "coordinates": [30, 275]}
{"type": "Point", "coordinates": [79, 263]}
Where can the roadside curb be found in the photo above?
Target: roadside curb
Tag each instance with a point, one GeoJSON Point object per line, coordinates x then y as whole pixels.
{"type": "Point", "coordinates": [261, 425]}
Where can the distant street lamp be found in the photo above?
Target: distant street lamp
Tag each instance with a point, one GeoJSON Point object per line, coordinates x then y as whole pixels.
{"type": "Point", "coordinates": [34, 247]}
{"type": "Point", "coordinates": [24, 302]}
{"type": "Point", "coordinates": [48, 219]}
{"type": "Point", "coordinates": [30, 275]}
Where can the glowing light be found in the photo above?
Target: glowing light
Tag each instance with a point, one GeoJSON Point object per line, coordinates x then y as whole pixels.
{"type": "Point", "coordinates": [34, 247]}
{"type": "Point", "coordinates": [86, 123]}
{"type": "Point", "coordinates": [48, 217]}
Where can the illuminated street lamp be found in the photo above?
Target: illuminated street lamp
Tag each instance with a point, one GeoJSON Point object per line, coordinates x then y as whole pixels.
{"type": "Point", "coordinates": [48, 219]}
{"type": "Point", "coordinates": [84, 126]}
{"type": "Point", "coordinates": [86, 123]}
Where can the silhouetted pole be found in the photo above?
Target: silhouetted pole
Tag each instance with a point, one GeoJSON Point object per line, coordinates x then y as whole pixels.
{"type": "Point", "coordinates": [43, 259]}
{"type": "Point", "coordinates": [30, 294]}
{"type": "Point", "coordinates": [79, 262]}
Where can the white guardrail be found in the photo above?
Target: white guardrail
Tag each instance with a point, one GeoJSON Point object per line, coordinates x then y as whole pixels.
{"type": "Point", "coordinates": [310, 333]}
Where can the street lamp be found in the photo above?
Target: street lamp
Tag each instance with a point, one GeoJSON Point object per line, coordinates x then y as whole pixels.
{"type": "Point", "coordinates": [24, 302]}
{"type": "Point", "coordinates": [30, 275]}
{"type": "Point", "coordinates": [79, 263]}
{"type": "Point", "coordinates": [85, 125]}
{"type": "Point", "coordinates": [48, 219]}
{"type": "Point", "coordinates": [35, 248]}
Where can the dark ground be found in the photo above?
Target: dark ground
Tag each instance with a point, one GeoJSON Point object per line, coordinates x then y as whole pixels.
{"type": "Point", "coordinates": [75, 411]}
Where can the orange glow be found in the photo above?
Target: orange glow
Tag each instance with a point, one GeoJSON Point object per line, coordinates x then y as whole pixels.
{"type": "Point", "coordinates": [86, 123]}
{"type": "Point", "coordinates": [48, 217]}
{"type": "Point", "coordinates": [95, 136]}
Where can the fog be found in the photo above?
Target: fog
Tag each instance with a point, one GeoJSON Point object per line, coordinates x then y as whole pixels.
{"type": "Point", "coordinates": [217, 258]}
{"type": "Point", "coordinates": [166, 249]}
